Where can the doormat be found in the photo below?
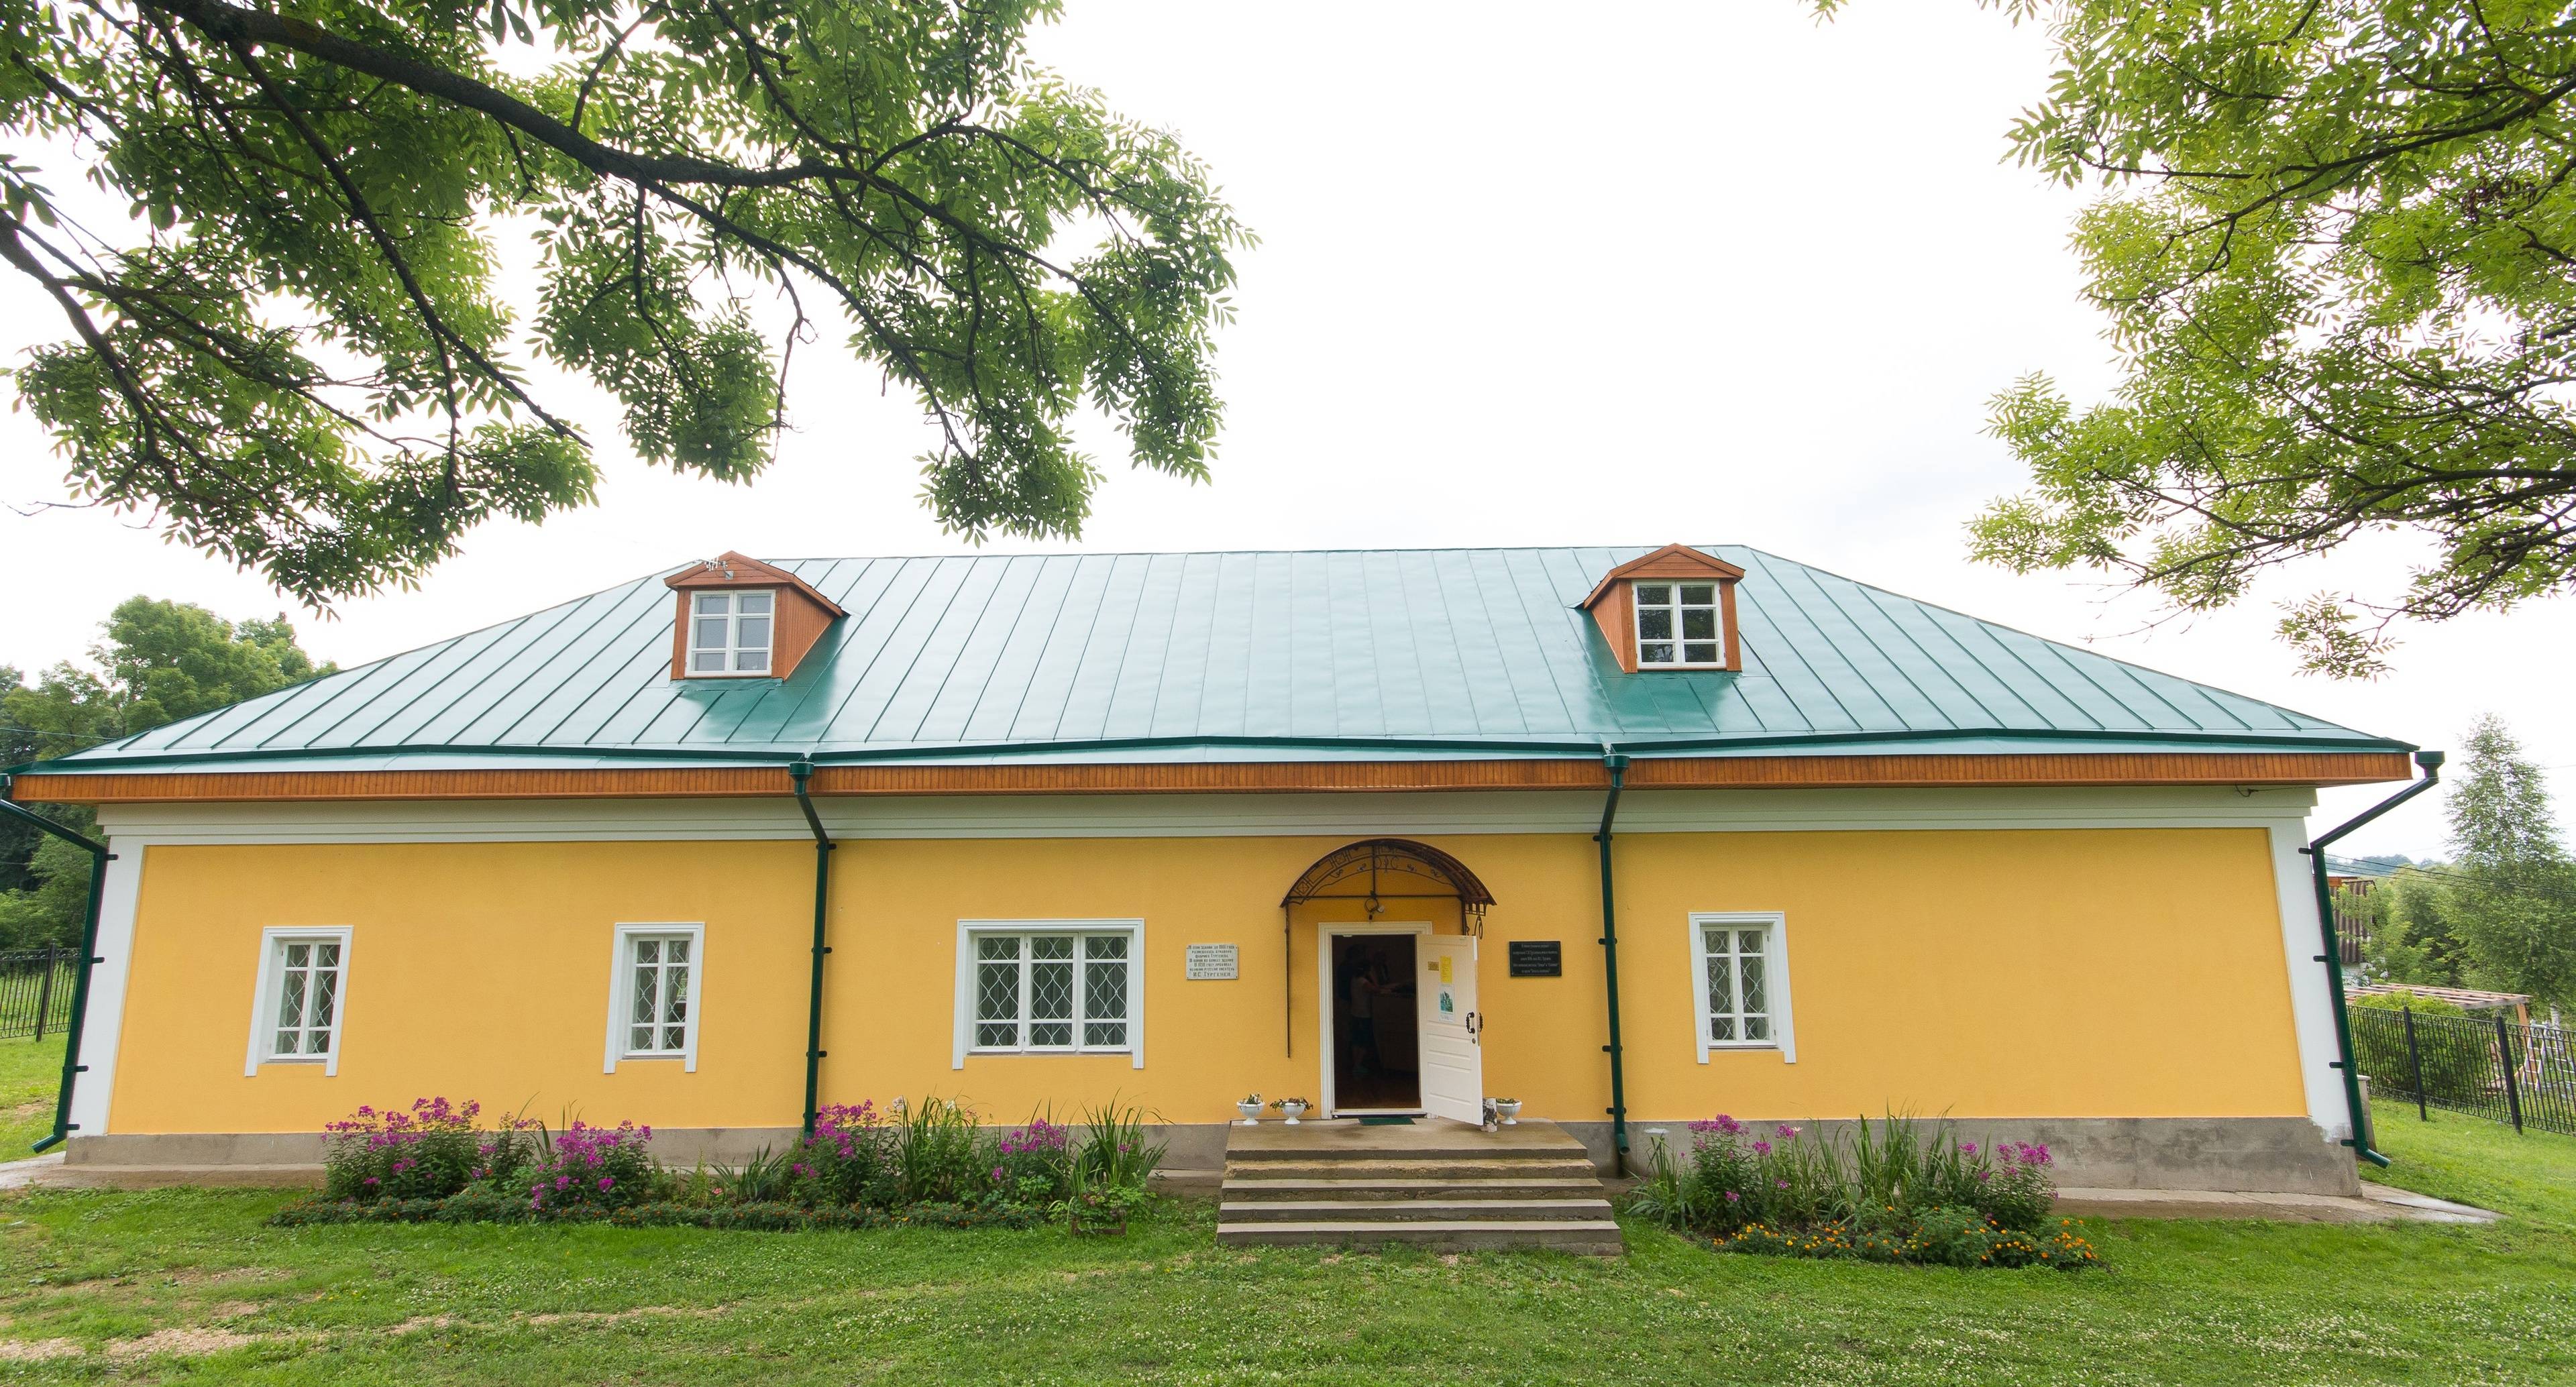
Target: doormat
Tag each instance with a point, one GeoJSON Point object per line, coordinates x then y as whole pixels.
{"type": "Point", "coordinates": [1386, 1122]}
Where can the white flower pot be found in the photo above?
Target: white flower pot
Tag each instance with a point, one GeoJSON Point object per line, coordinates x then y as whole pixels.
{"type": "Point", "coordinates": [1511, 1112]}
{"type": "Point", "coordinates": [1292, 1109]}
{"type": "Point", "coordinates": [1251, 1113]}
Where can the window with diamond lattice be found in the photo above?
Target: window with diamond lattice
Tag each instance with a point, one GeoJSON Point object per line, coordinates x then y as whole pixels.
{"type": "Point", "coordinates": [1058, 989]}
{"type": "Point", "coordinates": [1742, 983]}
{"type": "Point", "coordinates": [306, 1017]}
{"type": "Point", "coordinates": [657, 1011]}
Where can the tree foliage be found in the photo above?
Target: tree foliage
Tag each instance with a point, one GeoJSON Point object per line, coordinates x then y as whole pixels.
{"type": "Point", "coordinates": [2515, 898]}
{"type": "Point", "coordinates": [158, 662]}
{"type": "Point", "coordinates": [2336, 243]}
{"type": "Point", "coordinates": [301, 353]}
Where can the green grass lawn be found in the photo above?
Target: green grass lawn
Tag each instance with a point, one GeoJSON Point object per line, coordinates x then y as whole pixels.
{"type": "Point", "coordinates": [230, 1300]}
{"type": "Point", "coordinates": [30, 1073]}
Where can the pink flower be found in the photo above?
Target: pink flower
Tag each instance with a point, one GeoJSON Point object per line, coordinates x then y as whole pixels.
{"type": "Point", "coordinates": [1787, 1132]}
{"type": "Point", "coordinates": [1732, 1197]}
{"type": "Point", "coordinates": [1967, 1148]}
{"type": "Point", "coordinates": [997, 1172]}
{"type": "Point", "coordinates": [606, 1183]}
{"type": "Point", "coordinates": [1761, 1148]}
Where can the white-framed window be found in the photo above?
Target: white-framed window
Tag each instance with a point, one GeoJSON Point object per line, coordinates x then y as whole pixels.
{"type": "Point", "coordinates": [730, 632]}
{"type": "Point", "coordinates": [301, 996]}
{"type": "Point", "coordinates": [1678, 625]}
{"type": "Point", "coordinates": [655, 972]}
{"type": "Point", "coordinates": [1050, 987]}
{"type": "Point", "coordinates": [1740, 980]}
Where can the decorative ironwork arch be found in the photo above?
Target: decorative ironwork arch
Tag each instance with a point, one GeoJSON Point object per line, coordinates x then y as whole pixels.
{"type": "Point", "coordinates": [1374, 860]}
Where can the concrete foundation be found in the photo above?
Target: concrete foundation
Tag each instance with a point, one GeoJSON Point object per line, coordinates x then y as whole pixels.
{"type": "Point", "coordinates": [2285, 1155]}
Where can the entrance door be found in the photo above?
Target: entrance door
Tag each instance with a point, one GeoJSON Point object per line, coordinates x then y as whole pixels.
{"type": "Point", "coordinates": [1453, 1062]}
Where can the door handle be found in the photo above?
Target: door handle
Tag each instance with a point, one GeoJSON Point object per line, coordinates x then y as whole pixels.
{"type": "Point", "coordinates": [1475, 1027]}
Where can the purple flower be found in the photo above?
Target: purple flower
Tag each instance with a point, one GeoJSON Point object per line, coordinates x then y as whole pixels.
{"type": "Point", "coordinates": [997, 1172]}
{"type": "Point", "coordinates": [1761, 1148]}
{"type": "Point", "coordinates": [1967, 1148]}
{"type": "Point", "coordinates": [1787, 1132]}
{"type": "Point", "coordinates": [1732, 1196]}
{"type": "Point", "coordinates": [1783, 1184]}
{"type": "Point", "coordinates": [607, 1183]}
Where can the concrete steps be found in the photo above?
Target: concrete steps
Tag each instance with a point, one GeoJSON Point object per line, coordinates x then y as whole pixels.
{"type": "Point", "coordinates": [1440, 1185]}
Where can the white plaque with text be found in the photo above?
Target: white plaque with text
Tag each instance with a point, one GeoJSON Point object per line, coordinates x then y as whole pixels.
{"type": "Point", "coordinates": [1210, 962]}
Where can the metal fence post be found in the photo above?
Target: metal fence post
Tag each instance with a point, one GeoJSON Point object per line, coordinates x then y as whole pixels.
{"type": "Point", "coordinates": [2415, 1057]}
{"type": "Point", "coordinates": [2504, 1052]}
{"type": "Point", "coordinates": [45, 993]}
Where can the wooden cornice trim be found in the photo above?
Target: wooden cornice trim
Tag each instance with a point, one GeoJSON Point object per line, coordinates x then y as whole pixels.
{"type": "Point", "coordinates": [1236, 777]}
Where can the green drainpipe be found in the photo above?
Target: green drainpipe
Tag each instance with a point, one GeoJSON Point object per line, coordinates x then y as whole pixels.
{"type": "Point", "coordinates": [72, 1067]}
{"type": "Point", "coordinates": [2360, 1140]}
{"type": "Point", "coordinates": [1618, 766]}
{"type": "Point", "coordinates": [803, 771]}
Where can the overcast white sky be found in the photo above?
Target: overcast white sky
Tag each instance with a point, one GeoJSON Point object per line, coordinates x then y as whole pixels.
{"type": "Point", "coordinates": [1527, 276]}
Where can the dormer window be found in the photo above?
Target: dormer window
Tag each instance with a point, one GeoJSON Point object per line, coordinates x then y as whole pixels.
{"type": "Point", "coordinates": [730, 632]}
{"type": "Point", "coordinates": [1677, 624]}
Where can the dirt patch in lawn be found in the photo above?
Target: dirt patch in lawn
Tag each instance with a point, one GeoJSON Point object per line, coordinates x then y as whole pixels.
{"type": "Point", "coordinates": [190, 1342]}
{"type": "Point", "coordinates": [37, 1351]}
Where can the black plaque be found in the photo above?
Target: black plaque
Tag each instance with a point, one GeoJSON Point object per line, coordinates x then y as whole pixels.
{"type": "Point", "coordinates": [1537, 958]}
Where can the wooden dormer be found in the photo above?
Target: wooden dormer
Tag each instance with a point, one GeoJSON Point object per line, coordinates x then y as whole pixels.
{"type": "Point", "coordinates": [1680, 577]}
{"type": "Point", "coordinates": [761, 620]}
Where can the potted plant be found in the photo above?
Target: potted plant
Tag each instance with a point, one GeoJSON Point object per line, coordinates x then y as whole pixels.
{"type": "Point", "coordinates": [1251, 1109]}
{"type": "Point", "coordinates": [1292, 1107]}
{"type": "Point", "coordinates": [1510, 1108]}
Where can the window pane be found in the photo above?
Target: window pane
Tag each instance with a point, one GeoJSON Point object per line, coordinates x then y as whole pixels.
{"type": "Point", "coordinates": [752, 631]}
{"type": "Point", "coordinates": [675, 994]}
{"type": "Point", "coordinates": [298, 955]}
{"type": "Point", "coordinates": [1051, 946]}
{"type": "Point", "coordinates": [707, 662]}
{"type": "Point", "coordinates": [644, 994]}
{"type": "Point", "coordinates": [1104, 989]}
{"type": "Point", "coordinates": [753, 661]}
{"type": "Point", "coordinates": [1699, 623]}
{"type": "Point", "coordinates": [290, 1001]}
{"type": "Point", "coordinates": [753, 604]}
{"type": "Point", "coordinates": [1655, 625]}
{"type": "Point", "coordinates": [711, 633]}
{"type": "Point", "coordinates": [325, 986]}
{"type": "Point", "coordinates": [677, 950]}
{"type": "Point", "coordinates": [1051, 991]}
{"type": "Point", "coordinates": [1058, 1033]}
{"type": "Point", "coordinates": [1721, 1028]}
{"type": "Point", "coordinates": [997, 1034]}
{"type": "Point", "coordinates": [1748, 941]}
{"type": "Point", "coordinates": [1698, 594]}
{"type": "Point", "coordinates": [328, 955]}
{"type": "Point", "coordinates": [1654, 594]}
{"type": "Point", "coordinates": [641, 1039]}
{"type": "Point", "coordinates": [998, 946]}
{"type": "Point", "coordinates": [1655, 653]}
{"type": "Point", "coordinates": [1754, 1000]}
{"type": "Point", "coordinates": [1104, 1033]}
{"type": "Point", "coordinates": [648, 950]}
{"type": "Point", "coordinates": [1757, 1028]}
{"type": "Point", "coordinates": [997, 992]}
{"type": "Point", "coordinates": [711, 603]}
{"type": "Point", "coordinates": [1699, 654]}
{"type": "Point", "coordinates": [1721, 983]}
{"type": "Point", "coordinates": [285, 1044]}
{"type": "Point", "coordinates": [1105, 946]}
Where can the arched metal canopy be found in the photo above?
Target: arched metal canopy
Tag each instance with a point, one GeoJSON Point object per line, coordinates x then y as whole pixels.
{"type": "Point", "coordinates": [1411, 866]}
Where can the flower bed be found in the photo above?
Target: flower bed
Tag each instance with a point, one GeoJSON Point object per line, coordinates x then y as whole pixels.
{"type": "Point", "coordinates": [927, 1164]}
{"type": "Point", "coordinates": [1890, 1192]}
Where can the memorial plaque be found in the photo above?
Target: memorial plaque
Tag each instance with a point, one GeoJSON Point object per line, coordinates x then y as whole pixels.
{"type": "Point", "coordinates": [1537, 958]}
{"type": "Point", "coordinates": [1210, 962]}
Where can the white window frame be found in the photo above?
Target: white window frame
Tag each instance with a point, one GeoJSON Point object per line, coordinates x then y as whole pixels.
{"type": "Point", "coordinates": [967, 933]}
{"type": "Point", "coordinates": [733, 648]}
{"type": "Point", "coordinates": [1716, 606]}
{"type": "Point", "coordinates": [264, 997]}
{"type": "Point", "coordinates": [1775, 980]}
{"type": "Point", "coordinates": [621, 992]}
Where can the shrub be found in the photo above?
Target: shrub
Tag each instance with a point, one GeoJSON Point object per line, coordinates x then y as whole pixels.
{"type": "Point", "coordinates": [1114, 1152]}
{"type": "Point", "coordinates": [844, 1162]}
{"type": "Point", "coordinates": [429, 1152]}
{"type": "Point", "coordinates": [1032, 1165]}
{"type": "Point", "coordinates": [593, 1168]}
{"type": "Point", "coordinates": [934, 1153]}
{"type": "Point", "coordinates": [1891, 1191]}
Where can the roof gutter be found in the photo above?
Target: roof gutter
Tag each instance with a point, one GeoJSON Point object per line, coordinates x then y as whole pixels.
{"type": "Point", "coordinates": [1618, 768]}
{"type": "Point", "coordinates": [803, 771]}
{"type": "Point", "coordinates": [99, 857]}
{"type": "Point", "coordinates": [2332, 958]}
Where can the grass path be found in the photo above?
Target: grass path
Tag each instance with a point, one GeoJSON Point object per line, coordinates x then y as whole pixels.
{"type": "Point", "coordinates": [190, 1283]}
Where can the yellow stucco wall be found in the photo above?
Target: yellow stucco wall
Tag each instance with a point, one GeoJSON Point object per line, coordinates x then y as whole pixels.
{"type": "Point", "coordinates": [1985, 973]}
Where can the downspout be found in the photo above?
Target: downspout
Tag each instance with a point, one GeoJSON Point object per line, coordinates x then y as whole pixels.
{"type": "Point", "coordinates": [803, 771]}
{"type": "Point", "coordinates": [1618, 767]}
{"type": "Point", "coordinates": [72, 1067]}
{"type": "Point", "coordinates": [2360, 1140]}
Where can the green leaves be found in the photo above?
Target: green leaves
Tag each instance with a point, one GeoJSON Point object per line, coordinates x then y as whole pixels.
{"type": "Point", "coordinates": [301, 360]}
{"type": "Point", "coordinates": [2336, 247]}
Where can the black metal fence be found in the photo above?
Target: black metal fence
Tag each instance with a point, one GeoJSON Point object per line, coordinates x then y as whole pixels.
{"type": "Point", "coordinates": [2484, 1065]}
{"type": "Point", "coordinates": [36, 991]}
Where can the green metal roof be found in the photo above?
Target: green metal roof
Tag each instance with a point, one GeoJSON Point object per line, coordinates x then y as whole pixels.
{"type": "Point", "coordinates": [1252, 656]}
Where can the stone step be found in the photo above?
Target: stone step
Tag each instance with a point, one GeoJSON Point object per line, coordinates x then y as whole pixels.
{"type": "Point", "coordinates": [1256, 1187]}
{"type": "Point", "coordinates": [1413, 1210]}
{"type": "Point", "coordinates": [1466, 1144]}
{"type": "Point", "coordinates": [1588, 1237]}
{"type": "Point", "coordinates": [1575, 1168]}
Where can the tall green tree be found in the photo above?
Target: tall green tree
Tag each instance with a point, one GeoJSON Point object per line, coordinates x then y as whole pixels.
{"type": "Point", "coordinates": [158, 662]}
{"type": "Point", "coordinates": [2411, 938]}
{"type": "Point", "coordinates": [2336, 244]}
{"type": "Point", "coordinates": [2514, 895]}
{"type": "Point", "coordinates": [301, 353]}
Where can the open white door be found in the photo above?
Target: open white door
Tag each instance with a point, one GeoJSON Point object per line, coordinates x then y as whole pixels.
{"type": "Point", "coordinates": [1453, 1061]}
